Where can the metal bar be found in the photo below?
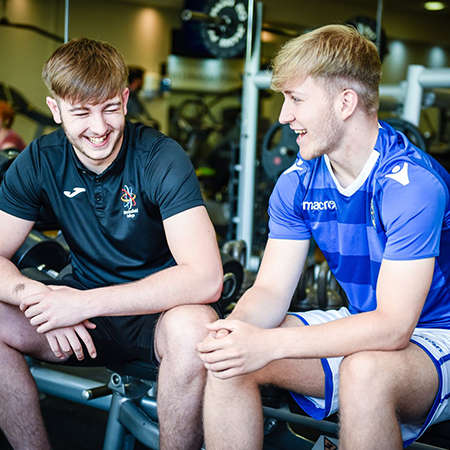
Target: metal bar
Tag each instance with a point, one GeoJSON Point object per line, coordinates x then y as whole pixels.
{"type": "Point", "coordinates": [115, 431]}
{"type": "Point", "coordinates": [379, 21]}
{"type": "Point", "coordinates": [413, 95]}
{"type": "Point", "coordinates": [249, 128]}
{"type": "Point", "coordinates": [68, 387]}
{"type": "Point", "coordinates": [66, 21]}
{"type": "Point", "coordinates": [435, 78]}
{"type": "Point", "coordinates": [148, 404]}
{"type": "Point", "coordinates": [143, 429]}
{"type": "Point", "coordinates": [284, 414]}
{"type": "Point", "coordinates": [187, 15]}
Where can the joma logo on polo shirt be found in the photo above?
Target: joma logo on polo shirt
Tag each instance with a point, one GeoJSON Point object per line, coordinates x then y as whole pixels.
{"type": "Point", "coordinates": [316, 206]}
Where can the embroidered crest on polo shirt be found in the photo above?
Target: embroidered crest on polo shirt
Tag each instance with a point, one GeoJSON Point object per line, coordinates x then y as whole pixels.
{"type": "Point", "coordinates": [400, 174]}
{"type": "Point", "coordinates": [128, 198]}
{"type": "Point", "coordinates": [75, 191]}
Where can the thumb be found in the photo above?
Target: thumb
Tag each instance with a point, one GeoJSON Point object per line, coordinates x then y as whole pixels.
{"type": "Point", "coordinates": [89, 324]}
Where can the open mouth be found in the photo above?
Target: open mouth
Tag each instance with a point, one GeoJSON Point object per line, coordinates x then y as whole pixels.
{"type": "Point", "coordinates": [98, 141]}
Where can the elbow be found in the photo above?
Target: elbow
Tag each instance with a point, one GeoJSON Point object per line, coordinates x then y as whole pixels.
{"type": "Point", "coordinates": [212, 287]}
{"type": "Point", "coordinates": [399, 339]}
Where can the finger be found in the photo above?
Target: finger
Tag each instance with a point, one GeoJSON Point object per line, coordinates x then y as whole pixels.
{"type": "Point", "coordinates": [222, 323]}
{"type": "Point", "coordinates": [63, 343]}
{"type": "Point", "coordinates": [39, 320]}
{"type": "Point", "coordinates": [45, 327]}
{"type": "Point", "coordinates": [222, 366]}
{"type": "Point", "coordinates": [87, 339]}
{"type": "Point", "coordinates": [89, 324]}
{"type": "Point", "coordinates": [228, 373]}
{"type": "Point", "coordinates": [209, 344]}
{"type": "Point", "coordinates": [214, 357]}
{"type": "Point", "coordinates": [31, 311]}
{"type": "Point", "coordinates": [75, 344]}
{"type": "Point", "coordinates": [222, 333]}
{"type": "Point", "coordinates": [54, 346]}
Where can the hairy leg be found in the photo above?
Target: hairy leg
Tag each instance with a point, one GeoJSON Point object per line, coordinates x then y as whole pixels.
{"type": "Point", "coordinates": [377, 389]}
{"type": "Point", "coordinates": [182, 376]}
{"type": "Point", "coordinates": [233, 416]}
{"type": "Point", "coordinates": [20, 415]}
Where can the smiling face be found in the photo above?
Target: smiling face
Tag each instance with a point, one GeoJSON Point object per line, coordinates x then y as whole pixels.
{"type": "Point", "coordinates": [94, 130]}
{"type": "Point", "coordinates": [311, 111]}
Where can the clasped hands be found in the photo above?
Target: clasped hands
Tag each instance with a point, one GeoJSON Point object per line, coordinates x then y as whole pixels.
{"type": "Point", "coordinates": [56, 312]}
{"type": "Point", "coordinates": [233, 348]}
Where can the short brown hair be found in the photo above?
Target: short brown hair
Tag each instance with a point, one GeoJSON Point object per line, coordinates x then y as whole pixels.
{"type": "Point", "coordinates": [338, 55]}
{"type": "Point", "coordinates": [85, 70]}
{"type": "Point", "coordinates": [7, 114]}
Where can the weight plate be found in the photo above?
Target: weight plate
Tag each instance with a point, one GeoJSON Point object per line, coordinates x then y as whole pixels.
{"type": "Point", "coordinates": [229, 39]}
{"type": "Point", "coordinates": [367, 26]}
{"type": "Point", "coordinates": [409, 130]}
{"type": "Point", "coordinates": [279, 150]}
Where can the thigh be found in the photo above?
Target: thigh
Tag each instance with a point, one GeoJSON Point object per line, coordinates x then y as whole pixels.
{"type": "Point", "coordinates": [17, 333]}
{"type": "Point", "coordinates": [305, 376]}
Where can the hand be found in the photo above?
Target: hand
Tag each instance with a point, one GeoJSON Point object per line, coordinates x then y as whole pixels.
{"type": "Point", "coordinates": [66, 341]}
{"type": "Point", "coordinates": [237, 348]}
{"type": "Point", "coordinates": [57, 307]}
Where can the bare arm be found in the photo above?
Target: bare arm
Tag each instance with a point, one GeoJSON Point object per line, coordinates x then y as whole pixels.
{"type": "Point", "coordinates": [197, 278]}
{"type": "Point", "coordinates": [266, 302]}
{"type": "Point", "coordinates": [14, 286]}
{"type": "Point", "coordinates": [401, 292]}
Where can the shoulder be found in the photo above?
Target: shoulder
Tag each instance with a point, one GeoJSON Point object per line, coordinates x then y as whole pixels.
{"type": "Point", "coordinates": [151, 143]}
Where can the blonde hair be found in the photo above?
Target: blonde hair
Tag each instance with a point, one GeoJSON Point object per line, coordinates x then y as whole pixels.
{"type": "Point", "coordinates": [335, 54]}
{"type": "Point", "coordinates": [84, 70]}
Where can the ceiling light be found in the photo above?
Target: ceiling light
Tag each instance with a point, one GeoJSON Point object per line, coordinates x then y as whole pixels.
{"type": "Point", "coordinates": [434, 6]}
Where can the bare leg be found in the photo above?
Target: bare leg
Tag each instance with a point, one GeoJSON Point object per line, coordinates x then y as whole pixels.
{"type": "Point", "coordinates": [182, 376]}
{"type": "Point", "coordinates": [232, 409]}
{"type": "Point", "coordinates": [379, 388]}
{"type": "Point", "coordinates": [20, 415]}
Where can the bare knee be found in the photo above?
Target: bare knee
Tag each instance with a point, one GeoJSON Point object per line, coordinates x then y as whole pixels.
{"type": "Point", "coordinates": [180, 330]}
{"type": "Point", "coordinates": [362, 376]}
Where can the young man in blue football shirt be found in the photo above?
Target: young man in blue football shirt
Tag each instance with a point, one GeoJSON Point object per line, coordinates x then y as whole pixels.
{"type": "Point", "coordinates": [379, 210]}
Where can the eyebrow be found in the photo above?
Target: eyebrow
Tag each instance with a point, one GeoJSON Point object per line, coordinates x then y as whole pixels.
{"type": "Point", "coordinates": [86, 108]}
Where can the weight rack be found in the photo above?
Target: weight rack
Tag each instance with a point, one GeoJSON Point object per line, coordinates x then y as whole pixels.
{"type": "Point", "coordinates": [410, 93]}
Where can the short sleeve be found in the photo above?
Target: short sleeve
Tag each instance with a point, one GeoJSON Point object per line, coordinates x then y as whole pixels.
{"type": "Point", "coordinates": [285, 220]}
{"type": "Point", "coordinates": [172, 182]}
{"type": "Point", "coordinates": [20, 187]}
{"type": "Point", "coordinates": [413, 207]}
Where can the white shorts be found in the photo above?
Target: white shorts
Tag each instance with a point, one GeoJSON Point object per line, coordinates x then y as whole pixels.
{"type": "Point", "coordinates": [434, 341]}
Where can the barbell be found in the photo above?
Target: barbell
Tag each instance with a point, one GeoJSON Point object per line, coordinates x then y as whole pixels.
{"type": "Point", "coordinates": [222, 27]}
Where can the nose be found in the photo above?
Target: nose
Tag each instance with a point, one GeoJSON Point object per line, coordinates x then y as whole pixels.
{"type": "Point", "coordinates": [286, 115]}
{"type": "Point", "coordinates": [98, 124]}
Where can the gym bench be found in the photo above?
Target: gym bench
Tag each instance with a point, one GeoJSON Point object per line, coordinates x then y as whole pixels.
{"type": "Point", "coordinates": [130, 398]}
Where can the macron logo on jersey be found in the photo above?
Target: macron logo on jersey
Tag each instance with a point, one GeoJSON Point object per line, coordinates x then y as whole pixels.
{"type": "Point", "coordinates": [74, 192]}
{"type": "Point", "coordinates": [400, 174]}
{"type": "Point", "coordinates": [316, 206]}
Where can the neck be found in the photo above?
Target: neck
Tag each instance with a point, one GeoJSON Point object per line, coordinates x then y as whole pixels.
{"type": "Point", "coordinates": [357, 144]}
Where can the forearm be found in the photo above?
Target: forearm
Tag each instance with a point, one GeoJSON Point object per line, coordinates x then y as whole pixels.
{"type": "Point", "coordinates": [359, 332]}
{"type": "Point", "coordinates": [261, 307]}
{"type": "Point", "coordinates": [14, 285]}
{"type": "Point", "coordinates": [177, 285]}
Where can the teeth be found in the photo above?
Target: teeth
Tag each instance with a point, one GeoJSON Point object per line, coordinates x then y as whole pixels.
{"type": "Point", "coordinates": [97, 140]}
{"type": "Point", "coordinates": [302, 131]}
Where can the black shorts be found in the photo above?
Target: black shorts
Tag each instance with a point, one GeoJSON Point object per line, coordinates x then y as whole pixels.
{"type": "Point", "coordinates": [118, 339]}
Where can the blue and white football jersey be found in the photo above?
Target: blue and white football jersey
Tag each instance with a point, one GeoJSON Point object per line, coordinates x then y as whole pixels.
{"type": "Point", "coordinates": [398, 208]}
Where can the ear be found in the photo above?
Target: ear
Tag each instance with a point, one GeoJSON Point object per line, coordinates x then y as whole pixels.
{"type": "Point", "coordinates": [348, 101]}
{"type": "Point", "coordinates": [125, 95]}
{"type": "Point", "coordinates": [54, 109]}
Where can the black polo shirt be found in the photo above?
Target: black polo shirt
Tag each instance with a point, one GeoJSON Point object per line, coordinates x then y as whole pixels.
{"type": "Point", "coordinates": [112, 221]}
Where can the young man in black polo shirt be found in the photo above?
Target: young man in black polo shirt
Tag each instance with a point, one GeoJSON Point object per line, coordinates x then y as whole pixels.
{"type": "Point", "coordinates": [129, 206]}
